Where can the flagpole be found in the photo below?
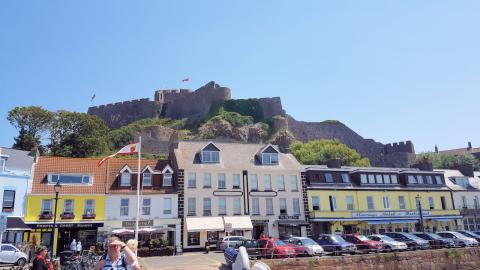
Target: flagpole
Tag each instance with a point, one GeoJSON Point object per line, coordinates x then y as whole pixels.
{"type": "Point", "coordinates": [138, 190]}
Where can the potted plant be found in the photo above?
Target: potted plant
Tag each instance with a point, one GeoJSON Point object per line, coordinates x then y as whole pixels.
{"type": "Point", "coordinates": [45, 216]}
{"type": "Point", "coordinates": [67, 216]}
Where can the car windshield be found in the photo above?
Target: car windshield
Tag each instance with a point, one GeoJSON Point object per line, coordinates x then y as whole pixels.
{"type": "Point", "coordinates": [308, 242]}
{"type": "Point", "coordinates": [385, 238]}
{"type": "Point", "coordinates": [250, 243]}
{"type": "Point", "coordinates": [413, 237]}
{"type": "Point", "coordinates": [469, 234]}
{"type": "Point", "coordinates": [363, 238]}
{"type": "Point", "coordinates": [279, 243]}
{"type": "Point", "coordinates": [338, 238]}
{"type": "Point", "coordinates": [434, 236]}
{"type": "Point", "coordinates": [458, 235]}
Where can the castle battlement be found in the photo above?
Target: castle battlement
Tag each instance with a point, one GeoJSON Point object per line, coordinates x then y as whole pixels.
{"type": "Point", "coordinates": [399, 147]}
{"type": "Point", "coordinates": [117, 104]}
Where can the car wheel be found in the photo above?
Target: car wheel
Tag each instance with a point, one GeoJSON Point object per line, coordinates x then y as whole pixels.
{"type": "Point", "coordinates": [336, 252]}
{"type": "Point", "coordinates": [21, 262]}
{"type": "Point", "coordinates": [388, 249]}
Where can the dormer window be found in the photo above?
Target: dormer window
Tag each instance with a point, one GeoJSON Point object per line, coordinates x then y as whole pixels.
{"type": "Point", "coordinates": [462, 181]}
{"type": "Point", "coordinates": [167, 176]}
{"type": "Point", "coordinates": [147, 179]}
{"type": "Point", "coordinates": [270, 158]}
{"type": "Point", "coordinates": [70, 179]}
{"type": "Point", "coordinates": [210, 156]}
{"type": "Point", "coordinates": [125, 179]}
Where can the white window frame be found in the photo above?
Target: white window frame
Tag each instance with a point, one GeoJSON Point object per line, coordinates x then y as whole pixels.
{"type": "Point", "coordinates": [431, 203]}
{"type": "Point", "coordinates": [237, 206]}
{"type": "Point", "coordinates": [328, 178]}
{"type": "Point", "coordinates": [386, 202]}
{"type": "Point", "coordinates": [124, 209]}
{"type": "Point", "coordinates": [350, 206]}
{"type": "Point", "coordinates": [315, 202]}
{"type": "Point", "coordinates": [401, 202]}
{"type": "Point", "coordinates": [371, 178]}
{"type": "Point", "coordinates": [293, 183]}
{"type": "Point", "coordinates": [207, 206]}
{"type": "Point", "coordinates": [363, 178]}
{"type": "Point", "coordinates": [394, 179]}
{"type": "Point", "coordinates": [222, 209]}
{"type": "Point", "coordinates": [269, 206]}
{"type": "Point", "coordinates": [167, 206]}
{"type": "Point", "coordinates": [282, 203]}
{"type": "Point", "coordinates": [386, 179]}
{"type": "Point", "coordinates": [222, 181]}
{"type": "Point", "coordinates": [46, 210]}
{"type": "Point", "coordinates": [345, 178]}
{"type": "Point", "coordinates": [267, 182]}
{"type": "Point", "coordinates": [146, 207]}
{"type": "Point", "coordinates": [370, 203]}
{"type": "Point", "coordinates": [207, 180]}
{"type": "Point", "coordinates": [72, 210]}
{"type": "Point", "coordinates": [149, 182]}
{"type": "Point", "coordinates": [296, 207]}
{"type": "Point", "coordinates": [210, 156]}
{"type": "Point", "coordinates": [281, 182]}
{"type": "Point", "coordinates": [255, 206]}
{"type": "Point", "coordinates": [53, 178]}
{"type": "Point", "coordinates": [7, 200]}
{"type": "Point", "coordinates": [191, 206]}
{"type": "Point", "coordinates": [378, 179]}
{"type": "Point", "coordinates": [253, 182]}
{"type": "Point", "coordinates": [86, 209]}
{"type": "Point", "coordinates": [123, 179]}
{"type": "Point", "coordinates": [270, 158]}
{"type": "Point", "coordinates": [192, 180]}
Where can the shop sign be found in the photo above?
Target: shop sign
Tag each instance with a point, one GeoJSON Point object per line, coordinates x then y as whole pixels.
{"type": "Point", "coordinates": [288, 217]}
{"type": "Point", "coordinates": [390, 214]}
{"type": "Point", "coordinates": [141, 223]}
{"type": "Point", "coordinates": [228, 227]}
{"type": "Point", "coordinates": [67, 225]}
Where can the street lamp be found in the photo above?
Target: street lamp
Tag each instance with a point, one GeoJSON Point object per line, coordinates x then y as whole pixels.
{"type": "Point", "coordinates": [420, 213]}
{"type": "Point", "coordinates": [57, 187]}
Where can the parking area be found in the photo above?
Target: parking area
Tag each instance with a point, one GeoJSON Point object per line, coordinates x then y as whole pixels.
{"type": "Point", "coordinates": [188, 261]}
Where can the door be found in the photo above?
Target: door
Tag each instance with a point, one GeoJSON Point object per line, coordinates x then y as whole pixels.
{"type": "Point", "coordinates": [257, 231]}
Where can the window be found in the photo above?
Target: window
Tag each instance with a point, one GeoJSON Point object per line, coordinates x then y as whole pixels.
{"type": "Point", "coordinates": [328, 178]}
{"type": "Point", "coordinates": [371, 179]}
{"type": "Point", "coordinates": [167, 179]}
{"type": "Point", "coordinates": [125, 179]}
{"type": "Point", "coordinates": [412, 179]}
{"type": "Point", "coordinates": [124, 207]}
{"type": "Point", "coordinates": [316, 202]}
{"type": "Point", "coordinates": [147, 179]}
{"type": "Point", "coordinates": [379, 178]}
{"type": "Point", "coordinates": [345, 178]}
{"type": "Point", "coordinates": [464, 201]}
{"type": "Point", "coordinates": [193, 238]}
{"type": "Point", "coordinates": [146, 206]}
{"type": "Point", "coordinates": [420, 179]}
{"type": "Point", "coordinates": [386, 202]}
{"type": "Point", "coordinates": [222, 182]}
{"type": "Point", "coordinates": [350, 204]}
{"type": "Point", "coordinates": [89, 207]}
{"type": "Point", "coordinates": [2, 164]}
{"type": "Point", "coordinates": [210, 157]}
{"type": "Point", "coordinates": [283, 206]}
{"type": "Point", "coordinates": [394, 179]}
{"type": "Point", "coordinates": [253, 182]}
{"type": "Point", "coordinates": [438, 180]}
{"type": "Point", "coordinates": [207, 180]}
{"type": "Point", "coordinates": [236, 181]}
{"type": "Point", "coordinates": [46, 207]}
{"type": "Point", "coordinates": [363, 178]}
{"type": "Point", "coordinates": [237, 209]}
{"type": "Point", "coordinates": [370, 204]}
{"type": "Point", "coordinates": [8, 200]}
{"type": "Point", "coordinates": [269, 206]}
{"type": "Point", "coordinates": [296, 207]}
{"type": "Point", "coordinates": [68, 206]}
{"type": "Point", "coordinates": [255, 206]}
{"type": "Point", "coordinates": [222, 206]}
{"type": "Point", "coordinates": [429, 179]}
{"type": "Point", "coordinates": [70, 179]}
{"type": "Point", "coordinates": [431, 203]}
{"type": "Point", "coordinates": [269, 158]}
{"type": "Point", "coordinates": [280, 183]}
{"type": "Point", "coordinates": [192, 180]}
{"type": "Point", "coordinates": [268, 182]}
{"type": "Point", "coordinates": [192, 206]}
{"type": "Point", "coordinates": [401, 202]}
{"type": "Point", "coordinates": [475, 202]}
{"type": "Point", "coordinates": [207, 206]}
{"type": "Point", "coordinates": [444, 203]}
{"type": "Point", "coordinates": [386, 179]}
{"type": "Point", "coordinates": [333, 203]}
{"type": "Point", "coordinates": [293, 182]}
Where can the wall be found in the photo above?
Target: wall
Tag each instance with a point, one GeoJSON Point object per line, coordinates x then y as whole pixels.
{"type": "Point", "coordinates": [20, 185]}
{"type": "Point", "coordinates": [123, 113]}
{"type": "Point", "coordinates": [465, 259]}
{"type": "Point", "coordinates": [156, 207]}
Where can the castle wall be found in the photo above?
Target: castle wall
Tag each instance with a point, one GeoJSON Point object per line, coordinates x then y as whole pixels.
{"type": "Point", "coordinates": [271, 107]}
{"type": "Point", "coordinates": [123, 113]}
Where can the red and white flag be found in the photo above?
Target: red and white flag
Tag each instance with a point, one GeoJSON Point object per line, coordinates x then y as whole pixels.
{"type": "Point", "coordinates": [130, 149]}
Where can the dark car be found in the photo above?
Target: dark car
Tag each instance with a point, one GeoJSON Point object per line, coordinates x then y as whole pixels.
{"type": "Point", "coordinates": [435, 240]}
{"type": "Point", "coordinates": [470, 234]}
{"type": "Point", "coordinates": [336, 244]}
{"type": "Point", "coordinates": [413, 242]}
{"type": "Point", "coordinates": [253, 248]}
{"type": "Point", "coordinates": [363, 243]}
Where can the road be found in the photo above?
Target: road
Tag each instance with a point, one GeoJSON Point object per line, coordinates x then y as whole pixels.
{"type": "Point", "coordinates": [188, 261]}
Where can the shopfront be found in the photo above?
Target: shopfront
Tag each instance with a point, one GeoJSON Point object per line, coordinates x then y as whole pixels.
{"type": "Point", "coordinates": [289, 226]}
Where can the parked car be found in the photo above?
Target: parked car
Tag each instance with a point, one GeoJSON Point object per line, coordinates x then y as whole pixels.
{"type": "Point", "coordinates": [363, 243]}
{"type": "Point", "coordinates": [305, 246]}
{"type": "Point", "coordinates": [276, 248]}
{"type": "Point", "coordinates": [229, 241]}
{"type": "Point", "coordinates": [336, 244]}
{"type": "Point", "coordinates": [470, 234]}
{"type": "Point", "coordinates": [390, 243]}
{"type": "Point", "coordinates": [12, 255]}
{"type": "Point", "coordinates": [459, 239]}
{"type": "Point", "coordinates": [413, 242]}
{"type": "Point", "coordinates": [435, 240]}
{"type": "Point", "coordinates": [253, 248]}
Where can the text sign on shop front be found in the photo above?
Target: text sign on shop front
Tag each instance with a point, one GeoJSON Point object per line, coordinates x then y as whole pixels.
{"type": "Point", "coordinates": [141, 223]}
{"type": "Point", "coordinates": [390, 214]}
{"type": "Point", "coordinates": [228, 227]}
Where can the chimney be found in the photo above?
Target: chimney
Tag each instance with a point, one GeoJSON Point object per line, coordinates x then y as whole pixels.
{"type": "Point", "coordinates": [334, 163]}
{"type": "Point", "coordinates": [465, 169]}
{"type": "Point", "coordinates": [469, 146]}
{"type": "Point", "coordinates": [436, 148]}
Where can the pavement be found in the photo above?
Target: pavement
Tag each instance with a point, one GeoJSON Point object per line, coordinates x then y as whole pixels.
{"type": "Point", "coordinates": [188, 261]}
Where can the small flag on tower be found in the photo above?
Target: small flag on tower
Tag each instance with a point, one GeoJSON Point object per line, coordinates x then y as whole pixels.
{"type": "Point", "coordinates": [186, 80]}
{"type": "Point", "coordinates": [130, 149]}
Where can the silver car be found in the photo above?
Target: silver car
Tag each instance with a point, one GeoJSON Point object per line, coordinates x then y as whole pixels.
{"type": "Point", "coordinates": [459, 239]}
{"type": "Point", "coordinates": [11, 255]}
{"type": "Point", "coordinates": [230, 241]}
{"type": "Point", "coordinates": [306, 245]}
{"type": "Point", "coordinates": [390, 243]}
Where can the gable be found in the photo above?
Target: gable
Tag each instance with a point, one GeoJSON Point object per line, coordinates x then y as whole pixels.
{"type": "Point", "coordinates": [270, 149]}
{"type": "Point", "coordinates": [210, 147]}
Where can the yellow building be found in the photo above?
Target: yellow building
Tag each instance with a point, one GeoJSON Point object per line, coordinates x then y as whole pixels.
{"type": "Point", "coordinates": [81, 202]}
{"type": "Point", "coordinates": [376, 200]}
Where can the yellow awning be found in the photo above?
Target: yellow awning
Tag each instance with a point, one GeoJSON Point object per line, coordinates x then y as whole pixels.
{"type": "Point", "coordinates": [196, 224]}
{"type": "Point", "coordinates": [239, 222]}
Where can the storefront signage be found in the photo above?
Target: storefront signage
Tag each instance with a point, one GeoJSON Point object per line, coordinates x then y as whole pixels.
{"type": "Point", "coordinates": [67, 225]}
{"type": "Point", "coordinates": [288, 217]}
{"type": "Point", "coordinates": [141, 223]}
{"type": "Point", "coordinates": [390, 214]}
{"type": "Point", "coordinates": [228, 227]}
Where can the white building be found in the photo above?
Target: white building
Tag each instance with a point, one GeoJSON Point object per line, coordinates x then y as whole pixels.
{"type": "Point", "coordinates": [158, 201]}
{"type": "Point", "coordinates": [15, 180]}
{"type": "Point", "coordinates": [253, 187]}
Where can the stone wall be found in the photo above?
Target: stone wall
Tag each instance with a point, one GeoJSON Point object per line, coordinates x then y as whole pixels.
{"type": "Point", "coordinates": [271, 107]}
{"type": "Point", "coordinates": [442, 259]}
{"type": "Point", "coordinates": [123, 113]}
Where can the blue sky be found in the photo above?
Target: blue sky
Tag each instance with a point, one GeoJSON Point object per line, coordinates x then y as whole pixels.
{"type": "Point", "coordinates": [390, 70]}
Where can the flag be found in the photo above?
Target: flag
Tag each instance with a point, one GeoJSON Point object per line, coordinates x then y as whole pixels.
{"type": "Point", "coordinates": [93, 97]}
{"type": "Point", "coordinates": [130, 149]}
{"type": "Point", "coordinates": [186, 80]}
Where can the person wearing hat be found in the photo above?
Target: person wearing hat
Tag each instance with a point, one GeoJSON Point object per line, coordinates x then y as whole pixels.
{"type": "Point", "coordinates": [40, 262]}
{"type": "Point", "coordinates": [119, 257]}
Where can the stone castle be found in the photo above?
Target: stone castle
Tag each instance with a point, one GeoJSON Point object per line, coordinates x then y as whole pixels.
{"type": "Point", "coordinates": [195, 107]}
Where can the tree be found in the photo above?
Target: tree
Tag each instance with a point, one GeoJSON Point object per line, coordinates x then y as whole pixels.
{"type": "Point", "coordinates": [76, 134]}
{"type": "Point", "coordinates": [31, 122]}
{"type": "Point", "coordinates": [447, 161]}
{"type": "Point", "coordinates": [318, 152]}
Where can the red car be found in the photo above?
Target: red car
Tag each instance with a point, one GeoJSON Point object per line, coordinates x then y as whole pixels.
{"type": "Point", "coordinates": [363, 243]}
{"type": "Point", "coordinates": [275, 248]}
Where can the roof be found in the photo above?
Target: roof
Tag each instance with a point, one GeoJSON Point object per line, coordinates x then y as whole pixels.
{"type": "Point", "coordinates": [16, 224]}
{"type": "Point", "coordinates": [233, 156]}
{"type": "Point", "coordinates": [474, 182]}
{"type": "Point", "coordinates": [369, 169]}
{"type": "Point", "coordinates": [460, 151]}
{"type": "Point", "coordinates": [47, 164]}
{"type": "Point", "coordinates": [17, 160]}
